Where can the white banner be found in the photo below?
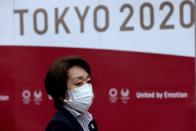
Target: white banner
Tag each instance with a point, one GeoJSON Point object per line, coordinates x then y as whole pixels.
{"type": "Point", "coordinates": [155, 26]}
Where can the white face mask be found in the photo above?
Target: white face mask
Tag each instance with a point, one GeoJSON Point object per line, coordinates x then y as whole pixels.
{"type": "Point", "coordinates": [80, 98]}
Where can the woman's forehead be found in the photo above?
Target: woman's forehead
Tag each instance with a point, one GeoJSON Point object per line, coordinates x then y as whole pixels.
{"type": "Point", "coordinates": [77, 72]}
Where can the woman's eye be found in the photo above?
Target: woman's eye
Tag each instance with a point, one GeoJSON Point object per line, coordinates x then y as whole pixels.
{"type": "Point", "coordinates": [79, 84]}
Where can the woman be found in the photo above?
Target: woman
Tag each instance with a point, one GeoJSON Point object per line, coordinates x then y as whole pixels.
{"type": "Point", "coordinates": [68, 81]}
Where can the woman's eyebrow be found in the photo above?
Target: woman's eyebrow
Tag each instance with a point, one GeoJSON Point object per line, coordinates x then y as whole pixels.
{"type": "Point", "coordinates": [80, 78]}
{"type": "Point", "coordinates": [77, 78]}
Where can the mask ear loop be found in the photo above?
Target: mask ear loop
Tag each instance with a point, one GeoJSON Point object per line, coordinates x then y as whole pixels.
{"type": "Point", "coordinates": [63, 100]}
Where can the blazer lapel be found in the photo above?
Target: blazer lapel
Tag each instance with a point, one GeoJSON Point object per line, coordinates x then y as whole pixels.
{"type": "Point", "coordinates": [73, 120]}
{"type": "Point", "coordinates": [92, 126]}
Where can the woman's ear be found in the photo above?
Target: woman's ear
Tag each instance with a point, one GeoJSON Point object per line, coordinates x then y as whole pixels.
{"type": "Point", "coordinates": [62, 99]}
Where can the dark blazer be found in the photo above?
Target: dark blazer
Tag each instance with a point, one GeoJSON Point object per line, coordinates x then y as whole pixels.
{"type": "Point", "coordinates": [63, 120]}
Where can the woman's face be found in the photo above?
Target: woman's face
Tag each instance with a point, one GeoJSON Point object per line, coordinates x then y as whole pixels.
{"type": "Point", "coordinates": [77, 77]}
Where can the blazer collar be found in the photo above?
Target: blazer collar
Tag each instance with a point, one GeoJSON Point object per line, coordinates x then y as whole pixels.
{"type": "Point", "coordinates": [73, 120]}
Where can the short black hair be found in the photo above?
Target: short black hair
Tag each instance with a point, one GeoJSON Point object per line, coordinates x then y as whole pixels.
{"type": "Point", "coordinates": [57, 76]}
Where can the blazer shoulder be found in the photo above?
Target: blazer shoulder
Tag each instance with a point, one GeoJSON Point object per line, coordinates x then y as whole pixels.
{"type": "Point", "coordinates": [59, 123]}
